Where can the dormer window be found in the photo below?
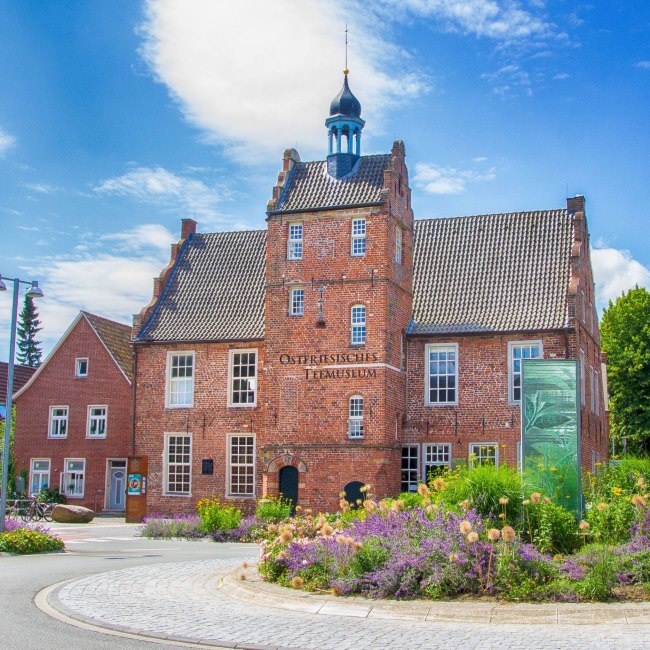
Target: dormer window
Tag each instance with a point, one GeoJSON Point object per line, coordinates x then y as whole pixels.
{"type": "Point", "coordinates": [294, 245]}
{"type": "Point", "coordinates": [358, 237]}
{"type": "Point", "coordinates": [81, 368]}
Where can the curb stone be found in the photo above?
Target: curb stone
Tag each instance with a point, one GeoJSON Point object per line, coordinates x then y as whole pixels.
{"type": "Point", "coordinates": [247, 585]}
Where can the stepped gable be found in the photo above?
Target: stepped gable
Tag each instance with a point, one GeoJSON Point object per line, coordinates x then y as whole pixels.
{"type": "Point", "coordinates": [310, 187]}
{"type": "Point", "coordinates": [117, 339]}
{"type": "Point", "coordinates": [491, 273]}
{"type": "Point", "coordinates": [215, 291]}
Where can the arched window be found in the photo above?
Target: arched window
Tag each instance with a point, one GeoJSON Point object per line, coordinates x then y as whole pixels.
{"type": "Point", "coordinates": [358, 325]}
{"type": "Point", "coordinates": [353, 494]}
{"type": "Point", "coordinates": [355, 417]}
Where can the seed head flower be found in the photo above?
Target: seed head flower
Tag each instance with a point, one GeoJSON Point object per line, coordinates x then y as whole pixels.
{"type": "Point", "coordinates": [472, 537]}
{"type": "Point", "coordinates": [638, 501]}
{"type": "Point", "coordinates": [282, 555]}
{"type": "Point", "coordinates": [327, 530]}
{"type": "Point", "coordinates": [493, 534]}
{"type": "Point", "coordinates": [526, 502]}
{"type": "Point", "coordinates": [508, 533]}
{"type": "Point", "coordinates": [535, 498]}
{"type": "Point", "coordinates": [370, 505]}
{"type": "Point", "coordinates": [423, 490]}
{"type": "Point", "coordinates": [439, 484]}
{"type": "Point", "coordinates": [504, 501]}
{"type": "Point", "coordinates": [583, 525]}
{"type": "Point", "coordinates": [557, 556]}
{"type": "Point", "coordinates": [601, 506]}
{"type": "Point", "coordinates": [464, 505]}
{"type": "Point", "coordinates": [297, 582]}
{"type": "Point", "coordinates": [272, 528]}
{"type": "Point", "coordinates": [465, 526]}
{"type": "Point", "coordinates": [453, 557]}
{"type": "Point", "coordinates": [286, 536]}
{"type": "Point", "coordinates": [641, 482]}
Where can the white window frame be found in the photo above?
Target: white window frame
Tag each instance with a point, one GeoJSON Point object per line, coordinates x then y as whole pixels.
{"type": "Point", "coordinates": [77, 367]}
{"type": "Point", "coordinates": [98, 418]}
{"type": "Point", "coordinates": [182, 464]}
{"type": "Point", "coordinates": [295, 243]}
{"type": "Point", "coordinates": [297, 307]}
{"type": "Point", "coordinates": [355, 417]}
{"type": "Point", "coordinates": [597, 391]}
{"type": "Point", "coordinates": [592, 389]}
{"type": "Point", "coordinates": [398, 245]}
{"type": "Point", "coordinates": [412, 473]}
{"type": "Point", "coordinates": [479, 457]}
{"type": "Point", "coordinates": [232, 378]}
{"type": "Point", "coordinates": [583, 378]}
{"type": "Point", "coordinates": [447, 347]}
{"type": "Point", "coordinates": [511, 371]}
{"type": "Point", "coordinates": [40, 473]}
{"type": "Point", "coordinates": [431, 449]}
{"type": "Point", "coordinates": [64, 480]}
{"type": "Point", "coordinates": [358, 243]}
{"type": "Point", "coordinates": [229, 464]}
{"type": "Point", "coordinates": [56, 419]}
{"type": "Point", "coordinates": [358, 326]}
{"type": "Point", "coordinates": [170, 381]}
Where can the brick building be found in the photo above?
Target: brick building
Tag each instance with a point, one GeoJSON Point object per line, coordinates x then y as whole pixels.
{"type": "Point", "coordinates": [347, 343]}
{"type": "Point", "coordinates": [74, 416]}
{"type": "Point", "coordinates": [21, 377]}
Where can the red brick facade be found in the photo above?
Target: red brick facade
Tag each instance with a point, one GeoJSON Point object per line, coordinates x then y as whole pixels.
{"type": "Point", "coordinates": [56, 384]}
{"type": "Point", "coordinates": [308, 368]}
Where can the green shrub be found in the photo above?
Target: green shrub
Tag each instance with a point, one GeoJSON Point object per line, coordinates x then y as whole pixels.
{"type": "Point", "coordinates": [552, 527]}
{"type": "Point", "coordinates": [47, 495]}
{"type": "Point", "coordinates": [274, 509]}
{"type": "Point", "coordinates": [216, 516]}
{"type": "Point", "coordinates": [23, 541]}
{"type": "Point", "coordinates": [610, 522]}
{"type": "Point", "coordinates": [599, 582]}
{"type": "Point", "coordinates": [410, 500]}
{"type": "Point", "coordinates": [483, 486]}
{"type": "Point", "coordinates": [372, 555]}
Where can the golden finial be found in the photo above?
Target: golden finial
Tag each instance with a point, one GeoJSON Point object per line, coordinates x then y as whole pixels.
{"type": "Point", "coordinates": [346, 71]}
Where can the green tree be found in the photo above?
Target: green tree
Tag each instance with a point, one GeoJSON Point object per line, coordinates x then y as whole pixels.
{"type": "Point", "coordinates": [625, 333]}
{"type": "Point", "coordinates": [29, 349]}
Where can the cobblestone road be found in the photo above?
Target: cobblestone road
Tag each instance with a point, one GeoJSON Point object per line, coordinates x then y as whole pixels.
{"type": "Point", "coordinates": [184, 600]}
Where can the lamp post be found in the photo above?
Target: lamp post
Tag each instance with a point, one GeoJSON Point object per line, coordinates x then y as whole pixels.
{"type": "Point", "coordinates": [34, 291]}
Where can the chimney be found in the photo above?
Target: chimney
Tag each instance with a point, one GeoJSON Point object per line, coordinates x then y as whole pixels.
{"type": "Point", "coordinates": [188, 227]}
{"type": "Point", "coordinates": [576, 204]}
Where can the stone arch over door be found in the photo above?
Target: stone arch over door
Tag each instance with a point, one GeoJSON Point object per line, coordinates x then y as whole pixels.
{"type": "Point", "coordinates": [271, 476]}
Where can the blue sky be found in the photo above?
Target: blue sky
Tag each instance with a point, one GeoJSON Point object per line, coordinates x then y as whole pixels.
{"type": "Point", "coordinates": [120, 118]}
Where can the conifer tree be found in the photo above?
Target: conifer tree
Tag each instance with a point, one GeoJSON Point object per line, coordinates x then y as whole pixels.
{"type": "Point", "coordinates": [29, 349]}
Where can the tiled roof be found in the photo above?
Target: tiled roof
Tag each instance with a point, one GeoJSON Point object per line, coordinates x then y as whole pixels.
{"type": "Point", "coordinates": [493, 272]}
{"type": "Point", "coordinates": [310, 187]}
{"type": "Point", "coordinates": [117, 338]}
{"type": "Point", "coordinates": [22, 375]}
{"type": "Point", "coordinates": [215, 292]}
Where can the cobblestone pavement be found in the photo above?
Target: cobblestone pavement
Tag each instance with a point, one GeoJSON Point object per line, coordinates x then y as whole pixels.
{"type": "Point", "coordinates": [186, 601]}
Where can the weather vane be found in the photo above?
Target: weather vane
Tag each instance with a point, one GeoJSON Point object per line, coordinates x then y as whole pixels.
{"type": "Point", "coordinates": [346, 50]}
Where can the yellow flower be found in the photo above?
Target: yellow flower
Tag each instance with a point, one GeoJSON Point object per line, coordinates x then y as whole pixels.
{"type": "Point", "coordinates": [553, 469]}
{"type": "Point", "coordinates": [617, 491]}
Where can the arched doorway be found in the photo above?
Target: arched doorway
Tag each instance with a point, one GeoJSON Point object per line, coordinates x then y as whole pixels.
{"type": "Point", "coordinates": [353, 494]}
{"type": "Point", "coordinates": [288, 485]}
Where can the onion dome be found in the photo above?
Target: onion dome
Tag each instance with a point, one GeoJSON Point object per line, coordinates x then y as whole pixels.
{"type": "Point", "coordinates": [345, 103]}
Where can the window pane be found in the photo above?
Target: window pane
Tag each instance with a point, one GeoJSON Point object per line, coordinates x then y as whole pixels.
{"type": "Point", "coordinates": [442, 374]}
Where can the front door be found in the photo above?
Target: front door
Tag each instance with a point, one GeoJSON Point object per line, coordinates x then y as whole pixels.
{"type": "Point", "coordinates": [118, 485]}
{"type": "Point", "coordinates": [289, 485]}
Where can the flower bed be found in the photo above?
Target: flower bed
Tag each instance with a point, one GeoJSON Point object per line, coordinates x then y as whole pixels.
{"type": "Point", "coordinates": [21, 537]}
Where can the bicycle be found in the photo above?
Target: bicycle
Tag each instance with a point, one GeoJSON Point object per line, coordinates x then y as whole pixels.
{"type": "Point", "coordinates": [37, 511]}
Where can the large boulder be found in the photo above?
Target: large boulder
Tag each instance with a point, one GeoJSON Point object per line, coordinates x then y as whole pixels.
{"type": "Point", "coordinates": [66, 514]}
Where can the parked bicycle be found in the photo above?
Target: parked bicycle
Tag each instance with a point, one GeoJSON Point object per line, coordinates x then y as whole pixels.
{"type": "Point", "coordinates": [36, 511]}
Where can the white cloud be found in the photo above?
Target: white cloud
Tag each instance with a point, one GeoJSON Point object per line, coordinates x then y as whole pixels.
{"type": "Point", "coordinates": [41, 188]}
{"type": "Point", "coordinates": [616, 271]}
{"type": "Point", "coordinates": [188, 196]}
{"type": "Point", "coordinates": [258, 76]}
{"type": "Point", "coordinates": [112, 278]}
{"type": "Point", "coordinates": [644, 65]}
{"type": "Point", "coordinates": [561, 76]}
{"type": "Point", "coordinates": [509, 77]}
{"type": "Point", "coordinates": [497, 19]}
{"type": "Point", "coordinates": [6, 142]}
{"type": "Point", "coordinates": [447, 180]}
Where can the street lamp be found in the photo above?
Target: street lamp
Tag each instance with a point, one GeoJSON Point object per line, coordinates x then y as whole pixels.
{"type": "Point", "coordinates": [34, 291]}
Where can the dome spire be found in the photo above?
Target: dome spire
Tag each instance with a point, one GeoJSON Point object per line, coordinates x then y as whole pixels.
{"type": "Point", "coordinates": [344, 126]}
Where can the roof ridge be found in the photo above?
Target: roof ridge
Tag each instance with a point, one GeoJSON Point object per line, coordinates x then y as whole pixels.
{"type": "Point", "coordinates": [108, 320]}
{"type": "Point", "coordinates": [514, 213]}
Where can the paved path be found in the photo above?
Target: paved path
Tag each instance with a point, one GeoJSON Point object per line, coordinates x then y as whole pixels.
{"type": "Point", "coordinates": [200, 601]}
